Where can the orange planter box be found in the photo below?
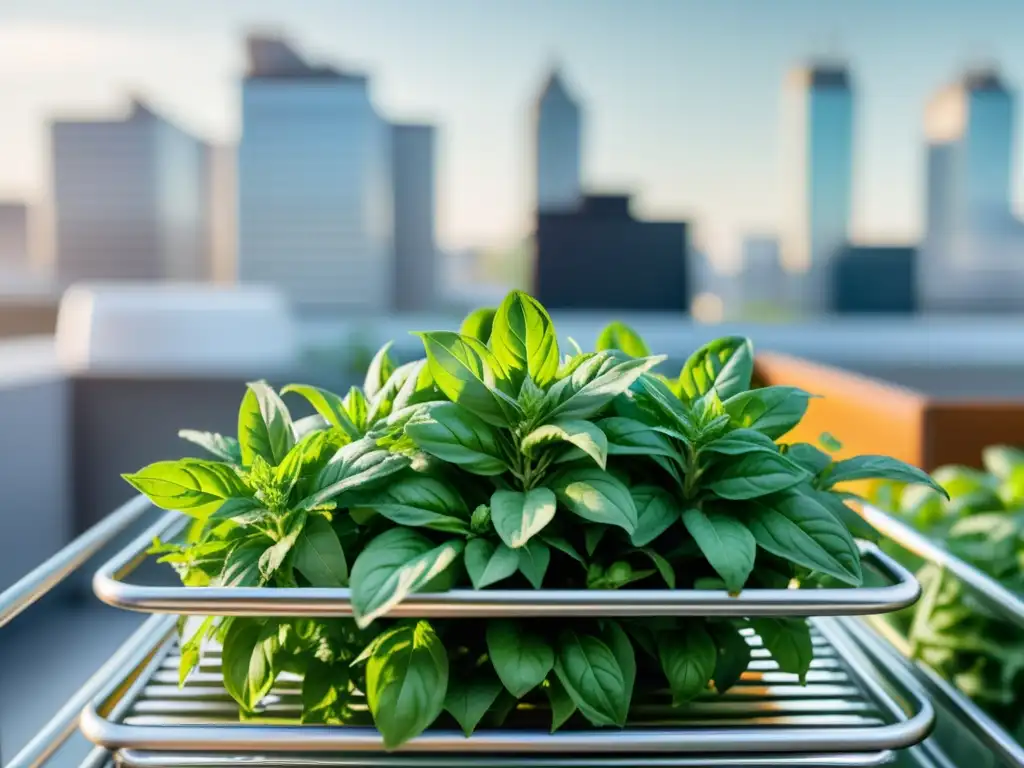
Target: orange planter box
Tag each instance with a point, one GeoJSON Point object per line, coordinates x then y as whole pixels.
{"type": "Point", "coordinates": [872, 416]}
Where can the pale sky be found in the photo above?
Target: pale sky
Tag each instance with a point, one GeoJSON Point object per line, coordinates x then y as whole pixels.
{"type": "Point", "coordinates": [682, 97]}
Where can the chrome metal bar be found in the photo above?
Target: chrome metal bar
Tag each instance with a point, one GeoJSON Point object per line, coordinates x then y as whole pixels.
{"type": "Point", "coordinates": [986, 589]}
{"type": "Point", "coordinates": [990, 733]}
{"type": "Point", "coordinates": [527, 603]}
{"type": "Point", "coordinates": [45, 577]}
{"type": "Point", "coordinates": [762, 728]}
{"type": "Point", "coordinates": [131, 758]}
{"type": "Point", "coordinates": [62, 725]}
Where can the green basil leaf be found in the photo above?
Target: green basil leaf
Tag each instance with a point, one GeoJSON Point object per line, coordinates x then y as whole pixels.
{"type": "Point", "coordinates": [248, 661]}
{"type": "Point", "coordinates": [453, 434]}
{"type": "Point", "coordinates": [688, 656]}
{"type": "Point", "coordinates": [417, 386]}
{"type": "Point", "coordinates": [380, 370]}
{"type": "Point", "coordinates": [771, 410]}
{"type": "Point", "coordinates": [733, 655]}
{"type": "Point", "coordinates": [795, 527]}
{"type": "Point", "coordinates": [591, 675]}
{"type": "Point", "coordinates": [562, 705]}
{"type": "Point", "coordinates": [833, 502]}
{"type": "Point", "coordinates": [828, 441]}
{"type": "Point", "coordinates": [620, 336]}
{"type": "Point", "coordinates": [406, 682]}
{"type": "Point", "coordinates": [224, 448]}
{"type": "Point", "coordinates": [788, 641]}
{"type": "Point", "coordinates": [583, 434]}
{"type": "Point", "coordinates": [1002, 460]}
{"type": "Point", "coordinates": [657, 397]}
{"type": "Point", "coordinates": [325, 692]}
{"type": "Point", "coordinates": [656, 511]}
{"type": "Point", "coordinates": [724, 365]}
{"type": "Point", "coordinates": [619, 644]}
{"type": "Point", "coordinates": [274, 556]}
{"type": "Point", "coordinates": [726, 542]}
{"type": "Point", "coordinates": [264, 425]}
{"type": "Point", "coordinates": [419, 501]}
{"type": "Point", "coordinates": [628, 437]}
{"type": "Point", "coordinates": [523, 338]}
{"type": "Point", "coordinates": [594, 384]}
{"type": "Point", "coordinates": [478, 324]}
{"type": "Point", "coordinates": [488, 563]}
{"type": "Point", "coordinates": [319, 556]}
{"type": "Point", "coordinates": [880, 468]}
{"type": "Point", "coordinates": [518, 517]}
{"type": "Point", "coordinates": [357, 408]}
{"type": "Point", "coordinates": [329, 405]}
{"type": "Point", "coordinates": [192, 638]}
{"type": "Point", "coordinates": [663, 566]}
{"type": "Point", "coordinates": [193, 486]}
{"type": "Point", "coordinates": [596, 496]}
{"type": "Point", "coordinates": [559, 543]}
{"type": "Point", "coordinates": [534, 559]}
{"type": "Point", "coordinates": [521, 657]}
{"type": "Point", "coordinates": [751, 475]}
{"type": "Point", "coordinates": [462, 369]}
{"type": "Point", "coordinates": [741, 441]}
{"type": "Point", "coordinates": [242, 565]}
{"type": "Point", "coordinates": [592, 535]}
{"type": "Point", "coordinates": [393, 565]}
{"type": "Point", "coordinates": [356, 466]}
{"type": "Point", "coordinates": [468, 699]}
{"type": "Point", "coordinates": [808, 457]}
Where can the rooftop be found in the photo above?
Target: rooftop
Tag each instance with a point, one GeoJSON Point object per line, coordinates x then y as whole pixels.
{"type": "Point", "coordinates": [273, 57]}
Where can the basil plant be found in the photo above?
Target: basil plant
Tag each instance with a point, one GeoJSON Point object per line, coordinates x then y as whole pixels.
{"type": "Point", "coordinates": [982, 523]}
{"type": "Point", "coordinates": [501, 461]}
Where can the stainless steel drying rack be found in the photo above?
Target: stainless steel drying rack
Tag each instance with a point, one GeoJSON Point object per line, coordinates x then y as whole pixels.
{"type": "Point", "coordinates": [986, 590]}
{"type": "Point", "coordinates": [855, 709]}
{"type": "Point", "coordinates": [110, 587]}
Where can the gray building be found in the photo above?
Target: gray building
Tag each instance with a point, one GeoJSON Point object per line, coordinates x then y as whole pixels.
{"type": "Point", "coordinates": [973, 250]}
{"type": "Point", "coordinates": [878, 279]}
{"type": "Point", "coordinates": [414, 183]}
{"type": "Point", "coordinates": [128, 199]}
{"type": "Point", "coordinates": [818, 134]}
{"type": "Point", "coordinates": [558, 150]}
{"type": "Point", "coordinates": [600, 257]}
{"type": "Point", "coordinates": [14, 238]}
{"type": "Point", "coordinates": [315, 199]}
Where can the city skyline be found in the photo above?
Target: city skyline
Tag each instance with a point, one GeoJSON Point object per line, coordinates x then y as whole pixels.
{"type": "Point", "coordinates": [682, 101]}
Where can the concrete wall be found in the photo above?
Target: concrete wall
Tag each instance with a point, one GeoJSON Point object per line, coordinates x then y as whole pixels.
{"type": "Point", "coordinates": [35, 458]}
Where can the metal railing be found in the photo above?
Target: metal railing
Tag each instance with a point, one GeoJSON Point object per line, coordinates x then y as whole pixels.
{"type": "Point", "coordinates": [36, 585]}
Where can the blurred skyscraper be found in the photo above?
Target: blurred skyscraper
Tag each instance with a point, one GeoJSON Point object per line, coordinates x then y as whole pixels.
{"type": "Point", "coordinates": [413, 180]}
{"type": "Point", "coordinates": [973, 245]}
{"type": "Point", "coordinates": [558, 150]}
{"type": "Point", "coordinates": [818, 133]}
{"type": "Point", "coordinates": [128, 199]}
{"type": "Point", "coordinates": [14, 247]}
{"type": "Point", "coordinates": [763, 279]}
{"type": "Point", "coordinates": [222, 210]}
{"type": "Point", "coordinates": [315, 200]}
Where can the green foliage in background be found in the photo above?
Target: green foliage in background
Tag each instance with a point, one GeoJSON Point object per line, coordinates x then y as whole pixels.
{"type": "Point", "coordinates": [498, 461]}
{"type": "Point", "coordinates": [982, 523]}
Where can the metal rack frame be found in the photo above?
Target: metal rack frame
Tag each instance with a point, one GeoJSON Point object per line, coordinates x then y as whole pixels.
{"type": "Point", "coordinates": [109, 586]}
{"type": "Point", "coordinates": [987, 590]}
{"type": "Point", "coordinates": [908, 718]}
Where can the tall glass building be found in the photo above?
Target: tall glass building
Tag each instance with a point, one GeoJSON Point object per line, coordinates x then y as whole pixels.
{"type": "Point", "coordinates": [558, 129]}
{"type": "Point", "coordinates": [973, 244]}
{"type": "Point", "coordinates": [315, 201]}
{"type": "Point", "coordinates": [818, 171]}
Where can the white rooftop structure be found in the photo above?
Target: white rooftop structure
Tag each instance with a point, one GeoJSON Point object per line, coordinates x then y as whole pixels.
{"type": "Point", "coordinates": [175, 329]}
